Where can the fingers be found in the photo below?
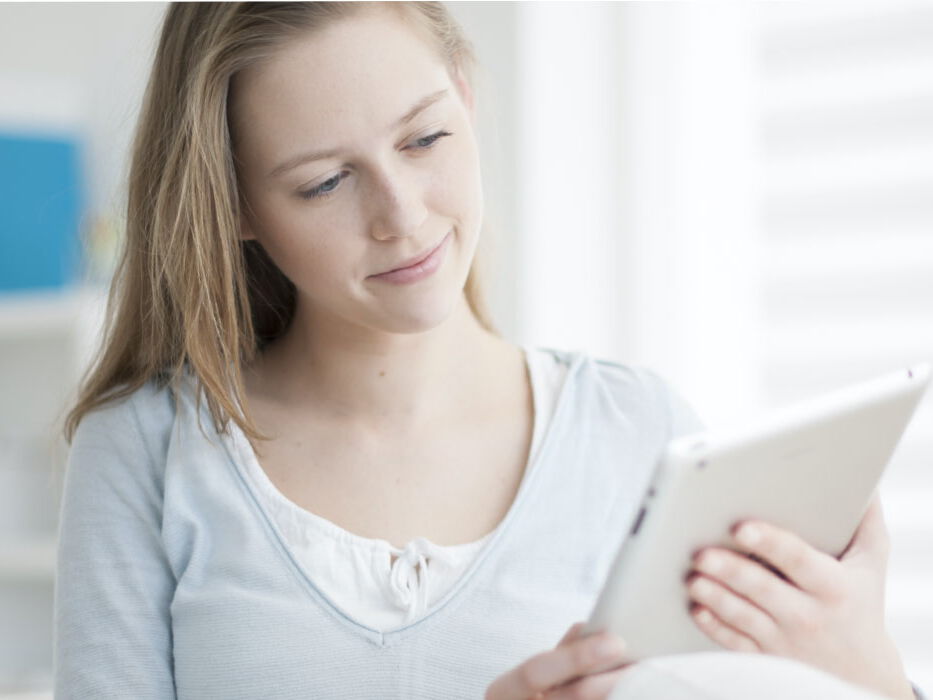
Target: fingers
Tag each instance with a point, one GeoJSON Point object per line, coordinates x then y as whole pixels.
{"type": "Point", "coordinates": [741, 615]}
{"type": "Point", "coordinates": [722, 633]}
{"type": "Point", "coordinates": [572, 633]}
{"type": "Point", "coordinates": [741, 576]}
{"type": "Point", "coordinates": [552, 668]}
{"type": "Point", "coordinates": [806, 567]}
{"type": "Point", "coordinates": [595, 687]}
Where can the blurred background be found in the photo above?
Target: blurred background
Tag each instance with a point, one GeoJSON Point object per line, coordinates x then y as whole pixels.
{"type": "Point", "coordinates": [738, 195]}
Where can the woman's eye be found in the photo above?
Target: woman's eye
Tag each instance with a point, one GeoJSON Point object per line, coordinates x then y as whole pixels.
{"type": "Point", "coordinates": [329, 186]}
{"type": "Point", "coordinates": [429, 141]}
{"type": "Point", "coordinates": [324, 189]}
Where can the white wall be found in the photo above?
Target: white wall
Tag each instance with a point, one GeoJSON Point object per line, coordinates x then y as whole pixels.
{"type": "Point", "coordinates": [492, 28]}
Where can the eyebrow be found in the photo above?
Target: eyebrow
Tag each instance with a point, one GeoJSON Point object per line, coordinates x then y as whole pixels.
{"type": "Point", "coordinates": [303, 158]}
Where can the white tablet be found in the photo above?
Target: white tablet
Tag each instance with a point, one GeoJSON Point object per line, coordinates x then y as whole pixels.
{"type": "Point", "coordinates": [811, 468]}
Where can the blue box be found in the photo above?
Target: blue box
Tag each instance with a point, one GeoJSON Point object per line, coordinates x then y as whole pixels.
{"type": "Point", "coordinates": [41, 211]}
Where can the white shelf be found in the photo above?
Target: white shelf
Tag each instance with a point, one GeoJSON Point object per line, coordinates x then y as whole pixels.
{"type": "Point", "coordinates": [28, 560]}
{"type": "Point", "coordinates": [38, 312]}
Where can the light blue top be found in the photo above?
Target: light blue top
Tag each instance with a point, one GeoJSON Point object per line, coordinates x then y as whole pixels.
{"type": "Point", "coordinates": [173, 582]}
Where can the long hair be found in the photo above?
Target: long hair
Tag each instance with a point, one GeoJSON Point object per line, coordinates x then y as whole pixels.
{"type": "Point", "coordinates": [187, 292]}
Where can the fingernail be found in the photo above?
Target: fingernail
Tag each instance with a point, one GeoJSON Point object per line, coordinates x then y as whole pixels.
{"type": "Point", "coordinates": [712, 563]}
{"type": "Point", "coordinates": [748, 535]}
{"type": "Point", "coordinates": [701, 588]}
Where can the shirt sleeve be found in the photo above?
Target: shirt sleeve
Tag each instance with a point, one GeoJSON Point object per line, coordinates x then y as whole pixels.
{"type": "Point", "coordinates": [114, 585]}
{"type": "Point", "coordinates": [683, 419]}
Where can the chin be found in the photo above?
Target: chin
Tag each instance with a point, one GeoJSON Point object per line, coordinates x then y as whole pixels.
{"type": "Point", "coordinates": [418, 316]}
{"type": "Point", "coordinates": [417, 323]}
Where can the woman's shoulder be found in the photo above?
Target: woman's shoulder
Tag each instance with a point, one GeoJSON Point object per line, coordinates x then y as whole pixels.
{"type": "Point", "coordinates": [629, 389]}
{"type": "Point", "coordinates": [594, 368]}
{"type": "Point", "coordinates": [147, 403]}
{"type": "Point", "coordinates": [136, 422]}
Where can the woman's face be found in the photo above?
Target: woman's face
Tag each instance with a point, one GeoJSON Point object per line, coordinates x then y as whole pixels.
{"type": "Point", "coordinates": [386, 185]}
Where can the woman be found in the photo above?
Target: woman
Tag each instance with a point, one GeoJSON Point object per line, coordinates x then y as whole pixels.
{"type": "Point", "coordinates": [306, 464]}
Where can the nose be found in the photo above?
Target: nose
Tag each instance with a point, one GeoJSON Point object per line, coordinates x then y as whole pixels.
{"type": "Point", "coordinates": [396, 202]}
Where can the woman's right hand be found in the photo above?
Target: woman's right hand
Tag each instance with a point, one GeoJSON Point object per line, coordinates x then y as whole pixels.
{"type": "Point", "coordinates": [556, 674]}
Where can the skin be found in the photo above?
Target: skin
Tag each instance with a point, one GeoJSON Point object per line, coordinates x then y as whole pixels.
{"type": "Point", "coordinates": [568, 672]}
{"type": "Point", "coordinates": [382, 359]}
{"type": "Point", "coordinates": [809, 606]}
{"type": "Point", "coordinates": [824, 611]}
{"type": "Point", "coordinates": [394, 362]}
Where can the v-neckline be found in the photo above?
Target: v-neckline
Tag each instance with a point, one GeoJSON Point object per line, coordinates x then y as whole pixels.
{"type": "Point", "coordinates": [243, 457]}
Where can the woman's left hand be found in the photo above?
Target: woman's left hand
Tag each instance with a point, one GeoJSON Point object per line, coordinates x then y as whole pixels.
{"type": "Point", "coordinates": [823, 611]}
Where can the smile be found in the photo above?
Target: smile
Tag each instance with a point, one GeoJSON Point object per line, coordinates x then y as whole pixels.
{"type": "Point", "coordinates": [420, 270]}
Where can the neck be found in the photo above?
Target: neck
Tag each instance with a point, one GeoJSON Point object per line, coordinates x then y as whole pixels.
{"type": "Point", "coordinates": [356, 376]}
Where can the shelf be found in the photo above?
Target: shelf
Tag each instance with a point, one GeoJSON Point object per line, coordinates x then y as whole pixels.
{"type": "Point", "coordinates": [28, 559]}
{"type": "Point", "coordinates": [40, 312]}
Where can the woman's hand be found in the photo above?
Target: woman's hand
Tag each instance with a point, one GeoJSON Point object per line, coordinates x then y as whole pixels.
{"type": "Point", "coordinates": [820, 610]}
{"type": "Point", "coordinates": [556, 674]}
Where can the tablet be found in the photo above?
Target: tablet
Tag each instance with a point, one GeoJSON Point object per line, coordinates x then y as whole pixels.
{"type": "Point", "coordinates": [811, 468]}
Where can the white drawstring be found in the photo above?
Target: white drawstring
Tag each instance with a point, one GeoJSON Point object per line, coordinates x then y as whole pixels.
{"type": "Point", "coordinates": [408, 587]}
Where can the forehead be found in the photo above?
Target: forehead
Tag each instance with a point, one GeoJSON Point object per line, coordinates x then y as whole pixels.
{"type": "Point", "coordinates": [333, 87]}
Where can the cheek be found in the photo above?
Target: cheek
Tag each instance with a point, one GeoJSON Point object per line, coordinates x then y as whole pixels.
{"type": "Point", "coordinates": [457, 192]}
{"type": "Point", "coordinates": [311, 254]}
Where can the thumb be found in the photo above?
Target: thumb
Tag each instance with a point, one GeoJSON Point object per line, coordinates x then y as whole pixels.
{"type": "Point", "coordinates": [572, 634]}
{"type": "Point", "coordinates": [871, 536]}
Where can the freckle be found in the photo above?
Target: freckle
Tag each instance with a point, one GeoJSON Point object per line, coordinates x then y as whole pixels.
{"type": "Point", "coordinates": [382, 374]}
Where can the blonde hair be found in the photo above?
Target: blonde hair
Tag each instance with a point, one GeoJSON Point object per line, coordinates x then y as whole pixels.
{"type": "Point", "coordinates": [187, 291]}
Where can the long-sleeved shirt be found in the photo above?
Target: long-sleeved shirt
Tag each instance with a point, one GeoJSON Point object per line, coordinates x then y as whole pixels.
{"type": "Point", "coordinates": [174, 582]}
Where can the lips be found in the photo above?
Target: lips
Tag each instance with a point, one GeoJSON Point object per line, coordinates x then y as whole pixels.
{"type": "Point", "coordinates": [421, 257]}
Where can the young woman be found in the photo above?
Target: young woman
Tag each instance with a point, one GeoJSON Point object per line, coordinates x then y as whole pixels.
{"type": "Point", "coordinates": [306, 465]}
